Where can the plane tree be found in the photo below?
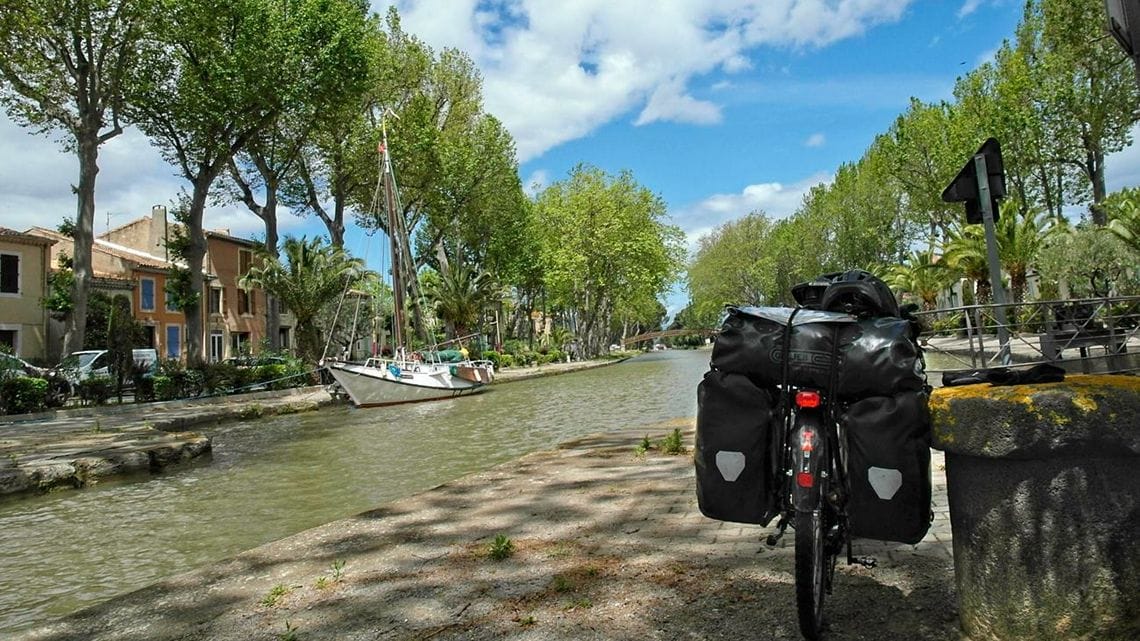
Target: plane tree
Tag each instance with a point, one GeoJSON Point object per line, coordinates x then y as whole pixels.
{"type": "Point", "coordinates": [65, 68]}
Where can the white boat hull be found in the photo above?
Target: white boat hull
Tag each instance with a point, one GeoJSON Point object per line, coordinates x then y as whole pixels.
{"type": "Point", "coordinates": [387, 383]}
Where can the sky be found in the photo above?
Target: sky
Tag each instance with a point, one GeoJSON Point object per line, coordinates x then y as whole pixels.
{"type": "Point", "coordinates": [721, 107]}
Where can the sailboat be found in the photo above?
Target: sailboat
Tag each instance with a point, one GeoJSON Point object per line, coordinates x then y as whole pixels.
{"type": "Point", "coordinates": [408, 376]}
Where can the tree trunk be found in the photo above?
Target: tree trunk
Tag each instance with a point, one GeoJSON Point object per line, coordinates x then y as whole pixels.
{"type": "Point", "coordinates": [195, 255]}
{"type": "Point", "coordinates": [269, 216]}
{"type": "Point", "coordinates": [74, 337]}
{"type": "Point", "coordinates": [1096, 210]}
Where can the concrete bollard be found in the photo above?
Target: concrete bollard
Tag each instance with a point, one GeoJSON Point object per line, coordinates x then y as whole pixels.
{"type": "Point", "coordinates": [1044, 490]}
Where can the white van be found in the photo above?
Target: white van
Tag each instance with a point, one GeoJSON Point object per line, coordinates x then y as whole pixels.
{"type": "Point", "coordinates": [80, 366]}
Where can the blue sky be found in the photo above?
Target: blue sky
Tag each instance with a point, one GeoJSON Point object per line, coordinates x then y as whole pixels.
{"type": "Point", "coordinates": [721, 108]}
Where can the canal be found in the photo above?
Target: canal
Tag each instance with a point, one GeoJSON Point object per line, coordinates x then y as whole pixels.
{"type": "Point", "coordinates": [270, 478]}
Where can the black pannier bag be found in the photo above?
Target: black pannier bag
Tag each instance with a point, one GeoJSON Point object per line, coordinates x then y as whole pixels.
{"type": "Point", "coordinates": [876, 356]}
{"type": "Point", "coordinates": [889, 467]}
{"type": "Point", "coordinates": [751, 342]}
{"type": "Point", "coordinates": [882, 359]}
{"type": "Point", "coordinates": [735, 458]}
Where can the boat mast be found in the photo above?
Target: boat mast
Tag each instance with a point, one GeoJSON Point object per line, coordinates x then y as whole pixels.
{"type": "Point", "coordinates": [398, 334]}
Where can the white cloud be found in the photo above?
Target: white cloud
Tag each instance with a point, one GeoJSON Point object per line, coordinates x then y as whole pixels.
{"type": "Point", "coordinates": [536, 182]}
{"type": "Point", "coordinates": [777, 200]}
{"type": "Point", "coordinates": [816, 140]}
{"type": "Point", "coordinates": [670, 103]}
{"type": "Point", "coordinates": [968, 7]}
{"type": "Point", "coordinates": [36, 183]}
{"type": "Point", "coordinates": [554, 72]}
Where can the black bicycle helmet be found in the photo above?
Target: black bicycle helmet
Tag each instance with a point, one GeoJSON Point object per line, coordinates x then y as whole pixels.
{"type": "Point", "coordinates": [859, 293]}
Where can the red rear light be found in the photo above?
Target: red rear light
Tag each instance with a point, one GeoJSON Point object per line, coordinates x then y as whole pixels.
{"type": "Point", "coordinates": [807, 398]}
{"type": "Point", "coordinates": [805, 479]}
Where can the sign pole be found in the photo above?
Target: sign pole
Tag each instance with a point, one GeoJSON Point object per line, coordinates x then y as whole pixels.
{"type": "Point", "coordinates": [996, 287]}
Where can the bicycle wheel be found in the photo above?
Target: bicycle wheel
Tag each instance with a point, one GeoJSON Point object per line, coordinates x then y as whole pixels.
{"type": "Point", "coordinates": [811, 565]}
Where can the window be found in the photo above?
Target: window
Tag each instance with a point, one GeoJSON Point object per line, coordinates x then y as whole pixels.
{"type": "Point", "coordinates": [10, 338]}
{"type": "Point", "coordinates": [214, 305]}
{"type": "Point", "coordinates": [217, 346]}
{"type": "Point", "coordinates": [245, 301]}
{"type": "Point", "coordinates": [170, 305]}
{"type": "Point", "coordinates": [10, 274]}
{"type": "Point", "coordinates": [245, 261]}
{"type": "Point", "coordinates": [283, 338]}
{"type": "Point", "coordinates": [146, 294]}
{"type": "Point", "coordinates": [240, 343]}
{"type": "Point", "coordinates": [173, 341]}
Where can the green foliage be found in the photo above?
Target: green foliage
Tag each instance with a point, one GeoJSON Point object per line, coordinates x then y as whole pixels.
{"type": "Point", "coordinates": [644, 446]}
{"type": "Point", "coordinates": [607, 251]}
{"type": "Point", "coordinates": [95, 390]}
{"type": "Point", "coordinates": [337, 569]}
{"type": "Point", "coordinates": [1092, 260]}
{"type": "Point", "coordinates": [309, 275]}
{"type": "Point", "coordinates": [59, 300]}
{"type": "Point", "coordinates": [673, 443]}
{"type": "Point", "coordinates": [500, 548]}
{"type": "Point", "coordinates": [22, 394]}
{"type": "Point", "coordinates": [496, 358]}
{"type": "Point", "coordinates": [275, 595]}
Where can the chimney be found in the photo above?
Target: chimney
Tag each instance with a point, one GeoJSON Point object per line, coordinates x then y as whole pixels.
{"type": "Point", "coordinates": [156, 245]}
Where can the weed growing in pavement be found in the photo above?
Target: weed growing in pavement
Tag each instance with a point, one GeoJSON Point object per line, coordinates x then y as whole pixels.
{"type": "Point", "coordinates": [98, 427]}
{"type": "Point", "coordinates": [337, 569]}
{"type": "Point", "coordinates": [525, 621]}
{"type": "Point", "coordinates": [501, 547]}
{"type": "Point", "coordinates": [321, 583]}
{"type": "Point", "coordinates": [643, 447]}
{"type": "Point", "coordinates": [562, 584]}
{"type": "Point", "coordinates": [275, 595]}
{"type": "Point", "coordinates": [251, 411]}
{"type": "Point", "coordinates": [290, 633]}
{"type": "Point", "coordinates": [673, 444]}
{"type": "Point", "coordinates": [580, 604]}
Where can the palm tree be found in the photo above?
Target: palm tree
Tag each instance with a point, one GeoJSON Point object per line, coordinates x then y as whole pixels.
{"type": "Point", "coordinates": [1020, 239]}
{"type": "Point", "coordinates": [921, 276]}
{"type": "Point", "coordinates": [1125, 220]}
{"type": "Point", "coordinates": [965, 253]}
{"type": "Point", "coordinates": [309, 275]}
{"type": "Point", "coordinates": [459, 295]}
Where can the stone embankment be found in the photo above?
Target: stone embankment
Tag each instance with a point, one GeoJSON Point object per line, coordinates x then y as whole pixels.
{"type": "Point", "coordinates": [75, 447]}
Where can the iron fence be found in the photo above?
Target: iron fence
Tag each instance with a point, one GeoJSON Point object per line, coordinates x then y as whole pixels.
{"type": "Point", "coordinates": [1092, 335]}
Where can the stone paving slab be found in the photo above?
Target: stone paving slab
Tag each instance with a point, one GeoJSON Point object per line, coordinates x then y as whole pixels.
{"type": "Point", "coordinates": [606, 545]}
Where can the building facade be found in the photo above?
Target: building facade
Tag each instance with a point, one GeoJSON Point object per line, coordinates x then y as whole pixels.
{"type": "Point", "coordinates": [24, 268]}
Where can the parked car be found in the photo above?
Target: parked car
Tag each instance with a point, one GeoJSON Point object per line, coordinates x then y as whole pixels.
{"type": "Point", "coordinates": [80, 366]}
{"type": "Point", "coordinates": [14, 366]}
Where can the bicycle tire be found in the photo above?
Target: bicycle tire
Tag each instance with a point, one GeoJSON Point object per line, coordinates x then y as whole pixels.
{"type": "Point", "coordinates": [811, 563]}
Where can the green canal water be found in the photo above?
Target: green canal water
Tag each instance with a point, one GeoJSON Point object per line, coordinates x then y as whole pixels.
{"type": "Point", "coordinates": [270, 478]}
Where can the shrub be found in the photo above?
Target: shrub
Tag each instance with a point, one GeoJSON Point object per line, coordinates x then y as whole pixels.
{"type": "Point", "coordinates": [275, 376]}
{"type": "Point", "coordinates": [22, 394]}
{"type": "Point", "coordinates": [506, 360]}
{"type": "Point", "coordinates": [557, 356]}
{"type": "Point", "coordinates": [95, 390]}
{"type": "Point", "coordinates": [494, 357]}
{"type": "Point", "coordinates": [219, 378]}
{"type": "Point", "coordinates": [144, 387]}
{"type": "Point", "coordinates": [948, 325]}
{"type": "Point", "coordinates": [165, 388]}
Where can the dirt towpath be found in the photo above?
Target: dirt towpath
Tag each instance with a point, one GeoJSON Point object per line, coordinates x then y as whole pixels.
{"type": "Point", "coordinates": [606, 545]}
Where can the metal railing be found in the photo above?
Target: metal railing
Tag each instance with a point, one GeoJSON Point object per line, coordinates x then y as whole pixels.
{"type": "Point", "coordinates": [1093, 335]}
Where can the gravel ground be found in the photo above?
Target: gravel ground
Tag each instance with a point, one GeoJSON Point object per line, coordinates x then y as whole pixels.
{"type": "Point", "coordinates": [607, 545]}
